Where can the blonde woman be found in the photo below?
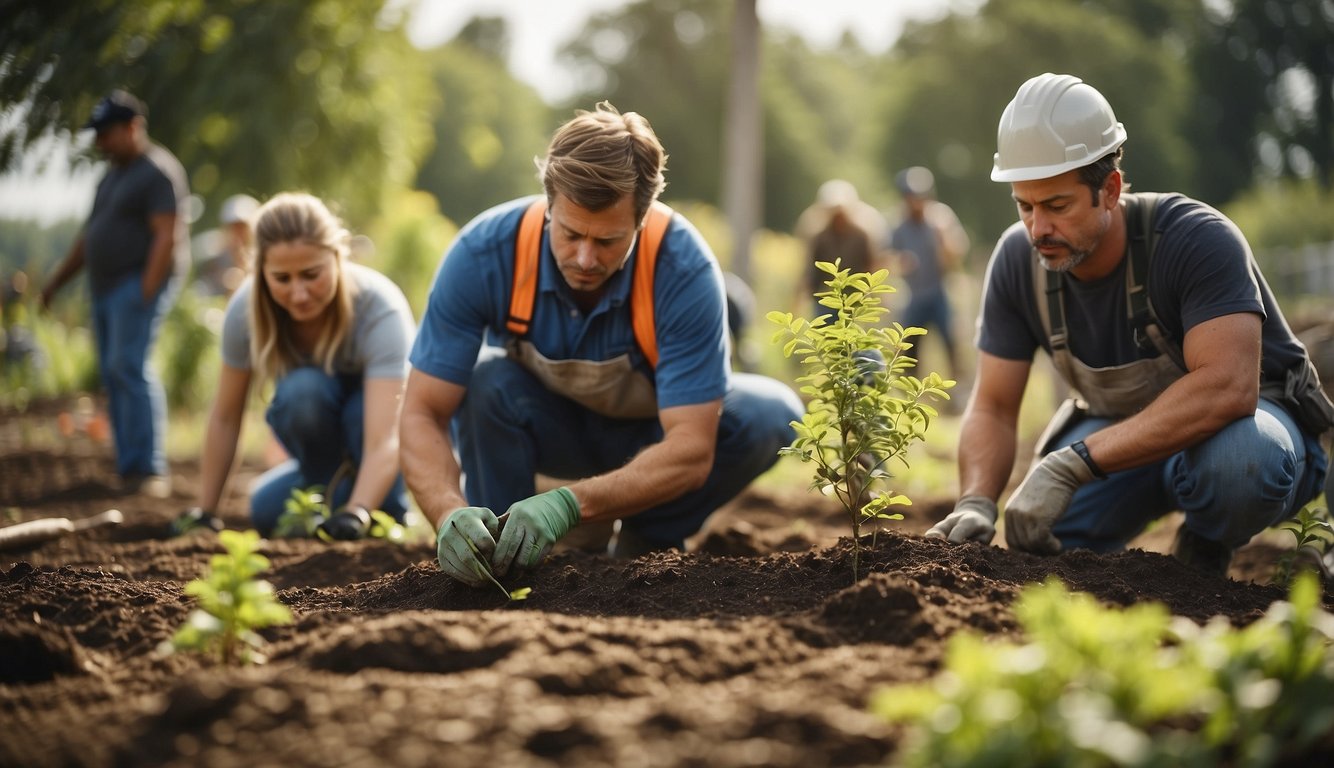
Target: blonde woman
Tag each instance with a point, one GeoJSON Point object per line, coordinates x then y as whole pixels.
{"type": "Point", "coordinates": [333, 336]}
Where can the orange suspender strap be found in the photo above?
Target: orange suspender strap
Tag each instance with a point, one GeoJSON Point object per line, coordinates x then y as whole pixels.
{"type": "Point", "coordinates": [641, 292]}
{"type": "Point", "coordinates": [528, 249]}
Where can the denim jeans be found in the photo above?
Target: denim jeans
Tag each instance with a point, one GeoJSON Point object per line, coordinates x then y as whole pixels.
{"type": "Point", "coordinates": [510, 427]}
{"type": "Point", "coordinates": [1254, 473]}
{"type": "Point", "coordinates": [319, 419]}
{"type": "Point", "coordinates": [124, 330]}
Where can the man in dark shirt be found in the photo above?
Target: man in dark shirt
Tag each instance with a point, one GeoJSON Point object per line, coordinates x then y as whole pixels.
{"type": "Point", "coordinates": [135, 246]}
{"type": "Point", "coordinates": [1211, 407]}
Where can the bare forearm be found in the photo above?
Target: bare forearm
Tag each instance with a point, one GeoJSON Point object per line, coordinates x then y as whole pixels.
{"type": "Point", "coordinates": [219, 453]}
{"type": "Point", "coordinates": [159, 264]}
{"type": "Point", "coordinates": [658, 474]}
{"type": "Point", "coordinates": [1192, 409]}
{"type": "Point", "coordinates": [375, 476]}
{"type": "Point", "coordinates": [429, 467]}
{"type": "Point", "coordinates": [986, 454]}
{"type": "Point", "coordinates": [71, 265]}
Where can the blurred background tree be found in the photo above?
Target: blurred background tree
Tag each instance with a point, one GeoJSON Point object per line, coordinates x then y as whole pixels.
{"type": "Point", "coordinates": [1231, 101]}
{"type": "Point", "coordinates": [326, 96]}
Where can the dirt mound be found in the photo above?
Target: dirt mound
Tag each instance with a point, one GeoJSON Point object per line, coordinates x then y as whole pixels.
{"type": "Point", "coordinates": [757, 647]}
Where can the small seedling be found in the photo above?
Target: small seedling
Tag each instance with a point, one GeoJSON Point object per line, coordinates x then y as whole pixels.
{"type": "Point", "coordinates": [384, 526]}
{"type": "Point", "coordinates": [232, 603]}
{"type": "Point", "coordinates": [864, 408]}
{"type": "Point", "coordinates": [483, 568]}
{"type": "Point", "coordinates": [302, 514]}
{"type": "Point", "coordinates": [1312, 533]}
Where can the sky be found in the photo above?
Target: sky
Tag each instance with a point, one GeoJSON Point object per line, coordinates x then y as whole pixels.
{"type": "Point", "coordinates": [538, 28]}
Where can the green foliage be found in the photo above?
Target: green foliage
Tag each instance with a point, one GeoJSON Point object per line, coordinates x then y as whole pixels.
{"type": "Point", "coordinates": [232, 603]}
{"type": "Point", "coordinates": [63, 360]}
{"type": "Point", "coordinates": [327, 96]}
{"type": "Point", "coordinates": [384, 526]}
{"type": "Point", "coordinates": [302, 513]}
{"type": "Point", "coordinates": [410, 239]}
{"type": "Point", "coordinates": [1095, 686]}
{"type": "Point", "coordinates": [1313, 535]}
{"type": "Point", "coordinates": [859, 418]}
{"type": "Point", "coordinates": [187, 351]}
{"type": "Point", "coordinates": [488, 128]}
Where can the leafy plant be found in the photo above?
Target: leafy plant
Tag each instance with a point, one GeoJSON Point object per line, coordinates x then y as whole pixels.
{"type": "Point", "coordinates": [302, 513]}
{"type": "Point", "coordinates": [384, 526]}
{"type": "Point", "coordinates": [864, 408]}
{"type": "Point", "coordinates": [232, 603]}
{"type": "Point", "coordinates": [1095, 686]}
{"type": "Point", "coordinates": [1313, 534]}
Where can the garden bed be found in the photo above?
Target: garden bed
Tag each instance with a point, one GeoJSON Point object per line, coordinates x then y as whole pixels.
{"type": "Point", "coordinates": [754, 648]}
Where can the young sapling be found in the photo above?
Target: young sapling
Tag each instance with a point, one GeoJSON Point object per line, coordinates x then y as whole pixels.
{"type": "Point", "coordinates": [233, 604]}
{"type": "Point", "coordinates": [864, 407]}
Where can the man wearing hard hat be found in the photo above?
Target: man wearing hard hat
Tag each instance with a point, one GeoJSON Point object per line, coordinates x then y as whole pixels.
{"type": "Point", "coordinates": [1192, 392]}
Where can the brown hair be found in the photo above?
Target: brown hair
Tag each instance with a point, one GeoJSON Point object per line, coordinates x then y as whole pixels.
{"type": "Point", "coordinates": [1095, 174]}
{"type": "Point", "coordinates": [296, 217]}
{"type": "Point", "coordinates": [599, 157]}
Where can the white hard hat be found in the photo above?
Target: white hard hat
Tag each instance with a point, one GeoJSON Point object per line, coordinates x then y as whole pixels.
{"type": "Point", "coordinates": [1056, 123]}
{"type": "Point", "coordinates": [238, 208]}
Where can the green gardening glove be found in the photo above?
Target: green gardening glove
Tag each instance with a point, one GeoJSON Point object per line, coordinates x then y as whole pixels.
{"type": "Point", "coordinates": [463, 530]}
{"type": "Point", "coordinates": [532, 526]}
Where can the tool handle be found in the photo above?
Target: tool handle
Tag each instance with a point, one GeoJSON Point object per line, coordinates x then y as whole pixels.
{"type": "Point", "coordinates": [34, 531]}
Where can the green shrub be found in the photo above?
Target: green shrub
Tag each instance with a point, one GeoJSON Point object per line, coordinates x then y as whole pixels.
{"type": "Point", "coordinates": [860, 416]}
{"type": "Point", "coordinates": [232, 603]}
{"type": "Point", "coordinates": [1095, 686]}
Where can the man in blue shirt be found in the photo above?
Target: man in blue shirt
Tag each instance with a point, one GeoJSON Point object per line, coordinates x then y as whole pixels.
{"type": "Point", "coordinates": [588, 371]}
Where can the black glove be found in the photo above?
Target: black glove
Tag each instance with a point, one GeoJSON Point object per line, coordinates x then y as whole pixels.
{"type": "Point", "coordinates": [347, 524]}
{"type": "Point", "coordinates": [194, 519]}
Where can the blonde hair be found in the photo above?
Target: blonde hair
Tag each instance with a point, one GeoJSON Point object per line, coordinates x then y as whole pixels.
{"type": "Point", "coordinates": [296, 217]}
{"type": "Point", "coordinates": [599, 157]}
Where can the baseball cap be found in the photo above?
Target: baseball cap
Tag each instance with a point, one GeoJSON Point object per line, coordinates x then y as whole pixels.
{"type": "Point", "coordinates": [116, 107]}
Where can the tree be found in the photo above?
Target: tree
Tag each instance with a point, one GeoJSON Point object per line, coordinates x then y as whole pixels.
{"type": "Point", "coordinates": [488, 126]}
{"type": "Point", "coordinates": [1289, 43]}
{"type": "Point", "coordinates": [252, 96]}
{"type": "Point", "coordinates": [964, 70]}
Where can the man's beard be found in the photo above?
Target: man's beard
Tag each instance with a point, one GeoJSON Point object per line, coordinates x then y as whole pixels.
{"type": "Point", "coordinates": [1074, 258]}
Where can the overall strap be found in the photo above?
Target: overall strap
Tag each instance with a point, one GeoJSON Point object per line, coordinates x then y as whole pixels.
{"type": "Point", "coordinates": [527, 258]}
{"type": "Point", "coordinates": [1142, 238]}
{"type": "Point", "coordinates": [641, 292]}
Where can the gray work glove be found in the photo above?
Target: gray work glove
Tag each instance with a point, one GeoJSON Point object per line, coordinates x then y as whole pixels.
{"type": "Point", "coordinates": [475, 526]}
{"type": "Point", "coordinates": [973, 519]}
{"type": "Point", "coordinates": [1041, 499]}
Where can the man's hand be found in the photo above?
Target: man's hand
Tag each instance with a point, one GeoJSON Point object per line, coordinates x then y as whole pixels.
{"type": "Point", "coordinates": [465, 526]}
{"type": "Point", "coordinates": [973, 519]}
{"type": "Point", "coordinates": [1041, 499]}
{"type": "Point", "coordinates": [347, 524]}
{"type": "Point", "coordinates": [532, 526]}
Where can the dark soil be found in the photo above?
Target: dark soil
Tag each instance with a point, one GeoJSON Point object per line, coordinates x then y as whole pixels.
{"type": "Point", "coordinates": [754, 648]}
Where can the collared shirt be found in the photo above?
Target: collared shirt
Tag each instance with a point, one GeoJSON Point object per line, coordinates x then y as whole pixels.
{"type": "Point", "coordinates": [470, 298]}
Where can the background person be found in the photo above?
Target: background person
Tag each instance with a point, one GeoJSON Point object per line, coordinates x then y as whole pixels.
{"type": "Point", "coordinates": [136, 248]}
{"type": "Point", "coordinates": [929, 243]}
{"type": "Point", "coordinates": [1219, 419]}
{"type": "Point", "coordinates": [575, 397]}
{"type": "Point", "coordinates": [334, 338]}
{"type": "Point", "coordinates": [221, 274]}
{"type": "Point", "coordinates": [838, 226]}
